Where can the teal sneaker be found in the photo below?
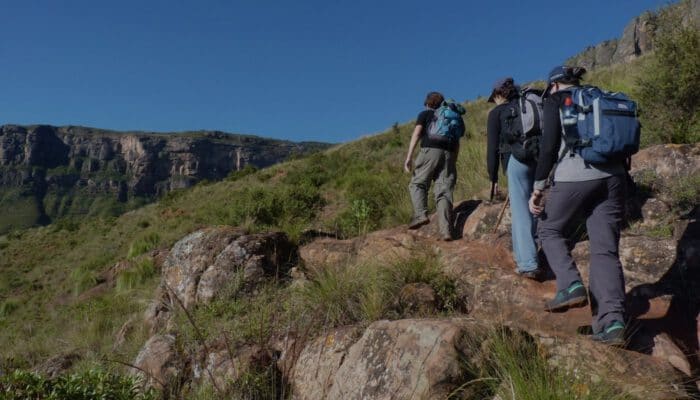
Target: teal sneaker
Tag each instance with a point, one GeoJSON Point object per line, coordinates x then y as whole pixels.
{"type": "Point", "coordinates": [573, 296]}
{"type": "Point", "coordinates": [612, 335]}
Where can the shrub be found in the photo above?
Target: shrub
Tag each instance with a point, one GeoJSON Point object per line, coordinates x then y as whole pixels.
{"type": "Point", "coordinates": [88, 385]}
{"type": "Point", "coordinates": [669, 83]}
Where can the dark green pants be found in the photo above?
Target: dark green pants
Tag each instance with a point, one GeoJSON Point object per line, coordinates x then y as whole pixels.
{"type": "Point", "coordinates": [439, 166]}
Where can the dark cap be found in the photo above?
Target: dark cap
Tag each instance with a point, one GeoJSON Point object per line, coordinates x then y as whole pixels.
{"type": "Point", "coordinates": [558, 73]}
{"type": "Point", "coordinates": [497, 85]}
{"type": "Point", "coordinates": [555, 75]}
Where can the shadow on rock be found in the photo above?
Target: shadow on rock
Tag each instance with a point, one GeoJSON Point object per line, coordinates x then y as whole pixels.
{"type": "Point", "coordinates": [679, 323]}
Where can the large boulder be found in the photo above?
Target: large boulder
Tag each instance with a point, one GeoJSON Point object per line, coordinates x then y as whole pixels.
{"type": "Point", "coordinates": [204, 264]}
{"type": "Point", "coordinates": [223, 366]}
{"type": "Point", "coordinates": [406, 359]}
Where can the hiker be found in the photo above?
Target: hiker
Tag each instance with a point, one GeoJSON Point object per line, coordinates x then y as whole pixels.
{"type": "Point", "coordinates": [439, 128]}
{"type": "Point", "coordinates": [595, 191]}
{"type": "Point", "coordinates": [507, 144]}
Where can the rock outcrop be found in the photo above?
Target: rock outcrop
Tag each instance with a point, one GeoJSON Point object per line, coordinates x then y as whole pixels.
{"type": "Point", "coordinates": [637, 39]}
{"type": "Point", "coordinates": [64, 161]}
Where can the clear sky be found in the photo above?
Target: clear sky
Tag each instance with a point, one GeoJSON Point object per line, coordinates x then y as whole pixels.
{"type": "Point", "coordinates": [300, 70]}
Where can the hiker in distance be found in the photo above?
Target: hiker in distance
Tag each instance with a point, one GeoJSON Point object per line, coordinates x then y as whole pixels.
{"type": "Point", "coordinates": [439, 128]}
{"type": "Point", "coordinates": [589, 181]}
{"type": "Point", "coordinates": [513, 131]}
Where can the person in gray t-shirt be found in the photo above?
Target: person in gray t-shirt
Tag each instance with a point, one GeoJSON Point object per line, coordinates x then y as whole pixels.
{"type": "Point", "coordinates": [594, 191]}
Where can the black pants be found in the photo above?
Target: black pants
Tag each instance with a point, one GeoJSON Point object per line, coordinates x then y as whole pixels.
{"type": "Point", "coordinates": [601, 202]}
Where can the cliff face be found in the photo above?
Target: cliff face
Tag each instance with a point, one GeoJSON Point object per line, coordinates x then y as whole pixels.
{"type": "Point", "coordinates": [637, 38]}
{"type": "Point", "coordinates": [41, 161]}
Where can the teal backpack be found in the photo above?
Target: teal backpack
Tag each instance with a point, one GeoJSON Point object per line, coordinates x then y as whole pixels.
{"type": "Point", "coordinates": [447, 125]}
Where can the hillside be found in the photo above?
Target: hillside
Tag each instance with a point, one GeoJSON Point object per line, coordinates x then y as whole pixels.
{"type": "Point", "coordinates": [51, 173]}
{"type": "Point", "coordinates": [284, 312]}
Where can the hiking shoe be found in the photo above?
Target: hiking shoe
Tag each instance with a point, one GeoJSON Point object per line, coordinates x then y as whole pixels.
{"type": "Point", "coordinates": [532, 274]}
{"type": "Point", "coordinates": [418, 222]}
{"type": "Point", "coordinates": [612, 335]}
{"type": "Point", "coordinates": [573, 296]}
{"type": "Point", "coordinates": [446, 238]}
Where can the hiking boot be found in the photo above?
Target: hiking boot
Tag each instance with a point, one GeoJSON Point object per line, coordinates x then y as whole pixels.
{"type": "Point", "coordinates": [612, 335]}
{"type": "Point", "coordinates": [417, 222]}
{"type": "Point", "coordinates": [532, 274]}
{"type": "Point", "coordinates": [573, 296]}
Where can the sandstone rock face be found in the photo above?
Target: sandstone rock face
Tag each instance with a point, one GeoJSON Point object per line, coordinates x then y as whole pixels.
{"type": "Point", "coordinates": [318, 362]}
{"type": "Point", "coordinates": [637, 39]}
{"type": "Point", "coordinates": [400, 360]}
{"type": "Point", "coordinates": [205, 263]}
{"type": "Point", "coordinates": [667, 162]}
{"type": "Point", "coordinates": [123, 165]}
{"type": "Point", "coordinates": [159, 362]}
{"type": "Point", "coordinates": [222, 367]}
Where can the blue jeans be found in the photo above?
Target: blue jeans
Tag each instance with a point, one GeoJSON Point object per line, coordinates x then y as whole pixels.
{"type": "Point", "coordinates": [520, 179]}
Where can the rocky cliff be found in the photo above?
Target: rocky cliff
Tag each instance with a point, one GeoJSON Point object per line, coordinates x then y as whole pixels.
{"type": "Point", "coordinates": [637, 38]}
{"type": "Point", "coordinates": [48, 172]}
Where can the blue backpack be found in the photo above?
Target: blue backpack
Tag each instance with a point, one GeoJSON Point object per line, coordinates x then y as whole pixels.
{"type": "Point", "coordinates": [447, 124]}
{"type": "Point", "coordinates": [600, 126]}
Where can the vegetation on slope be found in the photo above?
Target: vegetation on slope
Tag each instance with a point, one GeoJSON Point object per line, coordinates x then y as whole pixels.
{"type": "Point", "coordinates": [49, 303]}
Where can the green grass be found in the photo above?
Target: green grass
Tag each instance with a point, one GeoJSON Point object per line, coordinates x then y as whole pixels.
{"type": "Point", "coordinates": [510, 364]}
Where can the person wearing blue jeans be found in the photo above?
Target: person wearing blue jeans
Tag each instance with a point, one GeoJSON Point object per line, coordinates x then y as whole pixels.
{"type": "Point", "coordinates": [521, 177]}
{"type": "Point", "coordinates": [520, 174]}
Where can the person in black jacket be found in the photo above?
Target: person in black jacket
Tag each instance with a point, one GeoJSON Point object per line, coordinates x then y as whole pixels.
{"type": "Point", "coordinates": [594, 191]}
{"type": "Point", "coordinates": [520, 173]}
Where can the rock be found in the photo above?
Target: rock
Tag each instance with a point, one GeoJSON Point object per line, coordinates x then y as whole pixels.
{"type": "Point", "coordinates": [159, 363]}
{"type": "Point", "coordinates": [158, 313]}
{"type": "Point", "coordinates": [483, 220]}
{"type": "Point", "coordinates": [326, 251]}
{"type": "Point", "coordinates": [667, 162]}
{"type": "Point", "coordinates": [204, 264]}
{"type": "Point", "coordinates": [666, 349]}
{"type": "Point", "coordinates": [417, 298]}
{"type": "Point", "coordinates": [400, 360]}
{"type": "Point", "coordinates": [223, 367]}
{"type": "Point", "coordinates": [124, 332]}
{"type": "Point", "coordinates": [57, 365]}
{"type": "Point", "coordinates": [317, 363]}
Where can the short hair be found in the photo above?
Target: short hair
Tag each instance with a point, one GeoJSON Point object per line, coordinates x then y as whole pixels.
{"type": "Point", "coordinates": [433, 100]}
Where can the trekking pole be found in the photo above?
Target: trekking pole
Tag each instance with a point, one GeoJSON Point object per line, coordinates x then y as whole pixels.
{"type": "Point", "coordinates": [500, 215]}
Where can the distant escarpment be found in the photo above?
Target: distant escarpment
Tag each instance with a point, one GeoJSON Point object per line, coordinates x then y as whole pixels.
{"type": "Point", "coordinates": [637, 38]}
{"type": "Point", "coordinates": [49, 172]}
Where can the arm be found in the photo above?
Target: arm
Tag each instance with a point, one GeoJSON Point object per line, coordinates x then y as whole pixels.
{"type": "Point", "coordinates": [549, 148]}
{"type": "Point", "coordinates": [550, 142]}
{"type": "Point", "coordinates": [493, 132]}
{"type": "Point", "coordinates": [408, 164]}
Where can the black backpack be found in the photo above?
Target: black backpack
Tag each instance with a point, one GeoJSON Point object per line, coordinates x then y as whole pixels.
{"type": "Point", "coordinates": [522, 128]}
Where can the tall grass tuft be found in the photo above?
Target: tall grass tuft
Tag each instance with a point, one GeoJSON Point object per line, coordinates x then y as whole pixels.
{"type": "Point", "coordinates": [509, 365]}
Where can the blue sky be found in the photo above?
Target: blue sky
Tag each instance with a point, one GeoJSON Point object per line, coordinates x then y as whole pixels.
{"type": "Point", "coordinates": [298, 70]}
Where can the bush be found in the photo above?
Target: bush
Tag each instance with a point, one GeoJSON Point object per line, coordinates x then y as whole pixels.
{"type": "Point", "coordinates": [669, 83]}
{"type": "Point", "coordinates": [89, 385]}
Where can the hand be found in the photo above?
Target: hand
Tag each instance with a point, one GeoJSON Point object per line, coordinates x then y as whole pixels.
{"type": "Point", "coordinates": [408, 165]}
{"type": "Point", "coordinates": [536, 203]}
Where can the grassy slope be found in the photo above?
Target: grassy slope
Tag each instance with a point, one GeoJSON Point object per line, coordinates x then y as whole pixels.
{"type": "Point", "coordinates": [350, 189]}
